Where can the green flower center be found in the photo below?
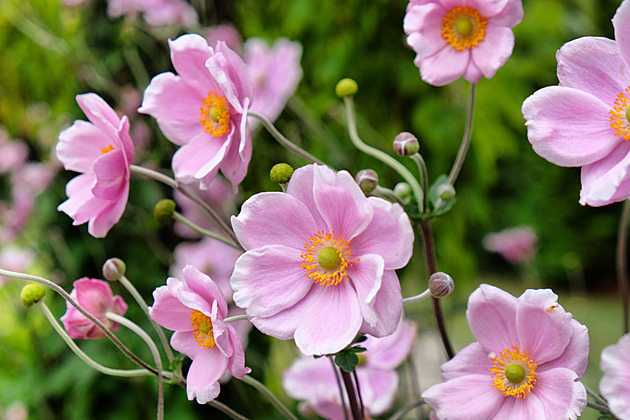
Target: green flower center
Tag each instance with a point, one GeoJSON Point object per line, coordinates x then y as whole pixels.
{"type": "Point", "coordinates": [328, 258]}
{"type": "Point", "coordinates": [515, 373]}
{"type": "Point", "coordinates": [464, 26]}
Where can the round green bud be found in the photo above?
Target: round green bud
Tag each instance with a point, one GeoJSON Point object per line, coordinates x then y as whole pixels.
{"type": "Point", "coordinates": [406, 144]}
{"type": "Point", "coordinates": [163, 211]}
{"type": "Point", "coordinates": [114, 269]}
{"type": "Point", "coordinates": [515, 373]}
{"type": "Point", "coordinates": [446, 192]}
{"type": "Point", "coordinates": [367, 180]}
{"type": "Point", "coordinates": [346, 87]}
{"type": "Point", "coordinates": [403, 190]}
{"type": "Point", "coordinates": [281, 173]}
{"type": "Point", "coordinates": [441, 285]}
{"type": "Point", "coordinates": [32, 294]}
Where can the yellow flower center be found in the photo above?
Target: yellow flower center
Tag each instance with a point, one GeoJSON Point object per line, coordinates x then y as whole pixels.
{"type": "Point", "coordinates": [107, 149]}
{"type": "Point", "coordinates": [215, 114]}
{"type": "Point", "coordinates": [463, 28]}
{"type": "Point", "coordinates": [620, 115]}
{"type": "Point", "coordinates": [202, 329]}
{"type": "Point", "coordinates": [326, 258]}
{"type": "Point", "coordinates": [514, 372]}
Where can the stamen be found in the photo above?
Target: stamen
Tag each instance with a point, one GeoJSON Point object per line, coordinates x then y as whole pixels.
{"type": "Point", "coordinates": [619, 115]}
{"type": "Point", "coordinates": [215, 114]}
{"type": "Point", "coordinates": [202, 329]}
{"type": "Point", "coordinates": [514, 372]}
{"type": "Point", "coordinates": [326, 258]}
{"type": "Point", "coordinates": [107, 149]}
{"type": "Point", "coordinates": [463, 28]}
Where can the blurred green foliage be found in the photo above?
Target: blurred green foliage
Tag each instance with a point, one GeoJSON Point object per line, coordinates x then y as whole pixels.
{"type": "Point", "coordinates": [51, 52]}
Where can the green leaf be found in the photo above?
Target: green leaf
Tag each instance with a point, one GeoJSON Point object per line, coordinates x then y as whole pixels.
{"type": "Point", "coordinates": [347, 361]}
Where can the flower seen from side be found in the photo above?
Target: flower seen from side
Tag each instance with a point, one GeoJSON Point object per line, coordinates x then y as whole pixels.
{"type": "Point", "coordinates": [96, 297]}
{"type": "Point", "coordinates": [203, 109]}
{"type": "Point", "coordinates": [461, 38]}
{"type": "Point", "coordinates": [584, 121]}
{"type": "Point", "coordinates": [102, 151]}
{"type": "Point", "coordinates": [194, 307]}
{"type": "Point", "coordinates": [320, 260]}
{"type": "Point", "coordinates": [615, 384]}
{"type": "Point", "coordinates": [526, 363]}
{"type": "Point", "coordinates": [517, 245]}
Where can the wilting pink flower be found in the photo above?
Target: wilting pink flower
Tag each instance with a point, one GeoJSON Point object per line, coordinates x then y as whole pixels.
{"type": "Point", "coordinates": [155, 12]}
{"type": "Point", "coordinates": [204, 110]}
{"type": "Point", "coordinates": [526, 362]}
{"type": "Point", "coordinates": [516, 245]}
{"type": "Point", "coordinates": [584, 120]}
{"type": "Point", "coordinates": [194, 307]}
{"type": "Point", "coordinates": [320, 261]}
{"type": "Point", "coordinates": [615, 384]}
{"type": "Point", "coordinates": [227, 33]}
{"type": "Point", "coordinates": [95, 296]}
{"type": "Point", "coordinates": [102, 151]}
{"type": "Point", "coordinates": [313, 381]}
{"type": "Point", "coordinates": [275, 72]}
{"type": "Point", "coordinates": [461, 38]}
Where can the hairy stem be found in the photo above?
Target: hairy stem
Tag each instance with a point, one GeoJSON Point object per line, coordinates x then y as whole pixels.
{"type": "Point", "coordinates": [463, 147]}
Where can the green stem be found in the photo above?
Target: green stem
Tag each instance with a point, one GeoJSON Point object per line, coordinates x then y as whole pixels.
{"type": "Point", "coordinates": [622, 267]}
{"type": "Point", "coordinates": [226, 410]}
{"type": "Point", "coordinates": [387, 194]}
{"type": "Point", "coordinates": [417, 298]}
{"type": "Point", "coordinates": [463, 147]}
{"type": "Point", "coordinates": [422, 168]}
{"type": "Point", "coordinates": [154, 350]}
{"type": "Point", "coordinates": [404, 410]}
{"type": "Point", "coordinates": [343, 400]}
{"type": "Point", "coordinates": [272, 398]}
{"type": "Point", "coordinates": [282, 139]}
{"type": "Point", "coordinates": [600, 408]}
{"type": "Point", "coordinates": [383, 157]}
{"type": "Point", "coordinates": [236, 318]}
{"type": "Point", "coordinates": [205, 232]}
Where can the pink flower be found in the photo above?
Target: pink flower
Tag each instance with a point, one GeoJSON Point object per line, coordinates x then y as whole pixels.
{"type": "Point", "coordinates": [203, 109]}
{"type": "Point", "coordinates": [313, 381]}
{"type": "Point", "coordinates": [461, 38]}
{"type": "Point", "coordinates": [320, 261]}
{"type": "Point", "coordinates": [516, 245]}
{"type": "Point", "coordinates": [102, 151]}
{"type": "Point", "coordinates": [615, 384]}
{"type": "Point", "coordinates": [526, 363]}
{"type": "Point", "coordinates": [155, 12]}
{"type": "Point", "coordinates": [227, 33]}
{"type": "Point", "coordinates": [95, 296]}
{"type": "Point", "coordinates": [275, 72]}
{"type": "Point", "coordinates": [14, 153]}
{"type": "Point", "coordinates": [584, 120]}
{"type": "Point", "coordinates": [195, 308]}
{"type": "Point", "coordinates": [13, 258]}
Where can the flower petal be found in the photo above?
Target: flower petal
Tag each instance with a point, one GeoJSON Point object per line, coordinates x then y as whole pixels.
{"type": "Point", "coordinates": [493, 52]}
{"type": "Point", "coordinates": [366, 275]}
{"type": "Point", "coordinates": [378, 388]}
{"type": "Point", "coordinates": [198, 159]}
{"type": "Point", "coordinates": [445, 66]}
{"type": "Point", "coordinates": [621, 23]}
{"type": "Point", "coordinates": [236, 363]}
{"type": "Point", "coordinates": [387, 306]}
{"type": "Point", "coordinates": [112, 174]}
{"type": "Point", "coordinates": [522, 409]}
{"type": "Point", "coordinates": [80, 145]}
{"type": "Point", "coordinates": [189, 54]}
{"type": "Point", "coordinates": [423, 25]}
{"type": "Point", "coordinates": [471, 360]}
{"type": "Point", "coordinates": [169, 312]}
{"type": "Point", "coordinates": [387, 353]}
{"type": "Point", "coordinates": [575, 356]}
{"type": "Point", "coordinates": [615, 384]}
{"type": "Point", "coordinates": [202, 381]}
{"type": "Point", "coordinates": [606, 181]}
{"type": "Point", "coordinates": [491, 315]}
{"type": "Point", "coordinates": [204, 287]}
{"type": "Point", "coordinates": [301, 187]}
{"type": "Point", "coordinates": [560, 393]}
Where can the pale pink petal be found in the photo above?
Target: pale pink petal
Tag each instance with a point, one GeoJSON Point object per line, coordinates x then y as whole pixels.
{"type": "Point", "coordinates": [205, 287]}
{"type": "Point", "coordinates": [169, 312]}
{"type": "Point", "coordinates": [510, 16]}
{"type": "Point", "coordinates": [471, 360]}
{"type": "Point", "coordinates": [366, 276]}
{"type": "Point", "coordinates": [445, 66]}
{"type": "Point", "coordinates": [189, 54]}
{"type": "Point", "coordinates": [423, 24]}
{"type": "Point", "coordinates": [615, 384]}
{"type": "Point", "coordinates": [79, 191]}
{"type": "Point", "coordinates": [308, 376]}
{"type": "Point", "coordinates": [568, 127]}
{"type": "Point", "coordinates": [185, 343]}
{"type": "Point", "coordinates": [387, 305]}
{"type": "Point", "coordinates": [521, 409]}
{"type": "Point", "coordinates": [469, 397]}
{"type": "Point", "coordinates": [80, 145]}
{"type": "Point", "coordinates": [621, 22]}
{"type": "Point", "coordinates": [230, 72]}
{"type": "Point", "coordinates": [560, 393]}
{"type": "Point", "coordinates": [235, 162]}
{"type": "Point", "coordinates": [111, 173]}
{"type": "Point", "coordinates": [387, 353]}
{"type": "Point", "coordinates": [378, 389]}
{"type": "Point", "coordinates": [301, 187]}
{"type": "Point", "coordinates": [486, 8]}
{"type": "Point", "coordinates": [601, 180]}
{"type": "Point", "coordinates": [236, 363]}
{"type": "Point", "coordinates": [99, 113]}
{"type": "Point", "coordinates": [110, 214]}
{"type": "Point", "coordinates": [283, 324]}
{"type": "Point", "coordinates": [269, 279]}
{"type": "Point", "coordinates": [472, 73]}
{"type": "Point", "coordinates": [575, 356]}
{"type": "Point", "coordinates": [198, 159]}
{"type": "Point", "coordinates": [493, 52]}
{"type": "Point", "coordinates": [188, 297]}
{"type": "Point", "coordinates": [491, 316]}
{"type": "Point", "coordinates": [202, 381]}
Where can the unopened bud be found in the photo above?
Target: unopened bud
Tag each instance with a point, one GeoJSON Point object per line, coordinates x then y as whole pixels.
{"type": "Point", "coordinates": [114, 269]}
{"type": "Point", "coordinates": [403, 190]}
{"type": "Point", "coordinates": [406, 144]}
{"type": "Point", "coordinates": [163, 211]}
{"type": "Point", "coordinates": [367, 180]}
{"type": "Point", "coordinates": [31, 294]}
{"type": "Point", "coordinates": [346, 87]}
{"type": "Point", "coordinates": [441, 284]}
{"type": "Point", "coordinates": [446, 192]}
{"type": "Point", "coordinates": [281, 173]}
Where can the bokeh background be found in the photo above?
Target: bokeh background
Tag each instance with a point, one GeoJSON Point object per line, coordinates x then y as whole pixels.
{"type": "Point", "coordinates": [52, 52]}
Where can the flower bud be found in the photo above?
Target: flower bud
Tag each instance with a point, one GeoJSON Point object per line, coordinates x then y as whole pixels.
{"type": "Point", "coordinates": [346, 87]}
{"type": "Point", "coordinates": [32, 294]}
{"type": "Point", "coordinates": [441, 284]}
{"type": "Point", "coordinates": [163, 211]}
{"type": "Point", "coordinates": [114, 269]}
{"type": "Point", "coordinates": [406, 144]}
{"type": "Point", "coordinates": [403, 190]}
{"type": "Point", "coordinates": [281, 173]}
{"type": "Point", "coordinates": [446, 192]}
{"type": "Point", "coordinates": [367, 180]}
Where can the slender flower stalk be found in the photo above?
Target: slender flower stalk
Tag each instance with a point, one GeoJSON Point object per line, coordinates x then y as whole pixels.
{"type": "Point", "coordinates": [154, 351]}
{"type": "Point", "coordinates": [417, 298]}
{"type": "Point", "coordinates": [622, 267]}
{"type": "Point", "coordinates": [352, 395]}
{"type": "Point", "coordinates": [225, 409]}
{"type": "Point", "coordinates": [341, 398]}
{"type": "Point", "coordinates": [422, 168]}
{"type": "Point", "coordinates": [88, 315]}
{"type": "Point", "coordinates": [282, 139]}
{"type": "Point", "coordinates": [383, 157]}
{"type": "Point", "coordinates": [272, 398]}
{"type": "Point", "coordinates": [387, 194]}
{"type": "Point", "coordinates": [204, 232]}
{"type": "Point", "coordinates": [236, 318]}
{"type": "Point", "coordinates": [463, 148]}
{"type": "Point", "coordinates": [407, 408]}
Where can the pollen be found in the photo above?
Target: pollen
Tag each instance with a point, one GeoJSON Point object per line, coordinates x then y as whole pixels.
{"type": "Point", "coordinates": [107, 149]}
{"type": "Point", "coordinates": [326, 257]}
{"type": "Point", "coordinates": [463, 28]}
{"type": "Point", "coordinates": [202, 329]}
{"type": "Point", "coordinates": [620, 115]}
{"type": "Point", "coordinates": [214, 114]}
{"type": "Point", "coordinates": [514, 372]}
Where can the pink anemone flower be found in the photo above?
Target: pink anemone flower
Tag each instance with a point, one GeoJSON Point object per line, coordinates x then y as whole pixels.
{"type": "Point", "coordinates": [517, 245]}
{"type": "Point", "coordinates": [584, 121]}
{"type": "Point", "coordinates": [203, 109]}
{"type": "Point", "coordinates": [526, 362]}
{"type": "Point", "coordinates": [320, 261]}
{"type": "Point", "coordinates": [194, 307]}
{"type": "Point", "coordinates": [102, 151]}
{"type": "Point", "coordinates": [615, 384]}
{"type": "Point", "coordinates": [461, 38]}
{"type": "Point", "coordinates": [95, 296]}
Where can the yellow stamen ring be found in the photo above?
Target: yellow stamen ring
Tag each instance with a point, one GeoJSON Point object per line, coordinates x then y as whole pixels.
{"type": "Point", "coordinates": [202, 329]}
{"type": "Point", "coordinates": [514, 372]}
{"type": "Point", "coordinates": [620, 115]}
{"type": "Point", "coordinates": [463, 28]}
{"type": "Point", "coordinates": [215, 114]}
{"type": "Point", "coordinates": [326, 258]}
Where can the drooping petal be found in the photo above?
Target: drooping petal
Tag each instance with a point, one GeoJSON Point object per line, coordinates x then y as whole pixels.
{"type": "Point", "coordinates": [99, 113]}
{"type": "Point", "coordinates": [236, 363]}
{"type": "Point", "coordinates": [560, 393]}
{"type": "Point", "coordinates": [445, 66]}
{"type": "Point", "coordinates": [493, 52]}
{"type": "Point", "coordinates": [202, 381]}
{"type": "Point", "coordinates": [169, 312]}
{"type": "Point", "coordinates": [615, 384]}
{"type": "Point", "coordinates": [112, 175]}
{"type": "Point", "coordinates": [423, 25]}
{"type": "Point", "coordinates": [198, 159]}
{"type": "Point", "coordinates": [387, 306]}
{"type": "Point", "coordinates": [575, 355]}
{"type": "Point", "coordinates": [387, 353]}
{"type": "Point", "coordinates": [491, 316]}
{"type": "Point", "coordinates": [366, 275]}
{"type": "Point", "coordinates": [235, 162]}
{"type": "Point", "coordinates": [601, 180]}
{"type": "Point", "coordinates": [79, 191]}
{"type": "Point", "coordinates": [108, 214]}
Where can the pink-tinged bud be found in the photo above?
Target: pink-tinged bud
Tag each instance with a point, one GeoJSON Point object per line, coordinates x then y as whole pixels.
{"type": "Point", "coordinates": [441, 284]}
{"type": "Point", "coordinates": [32, 294]}
{"type": "Point", "coordinates": [95, 296]}
{"type": "Point", "coordinates": [114, 269]}
{"type": "Point", "coordinates": [367, 180]}
{"type": "Point", "coordinates": [406, 144]}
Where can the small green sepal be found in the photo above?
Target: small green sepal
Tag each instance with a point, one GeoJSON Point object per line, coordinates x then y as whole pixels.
{"type": "Point", "coordinates": [347, 359]}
